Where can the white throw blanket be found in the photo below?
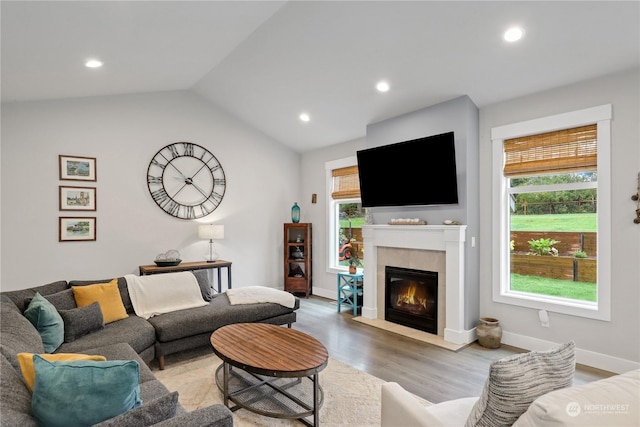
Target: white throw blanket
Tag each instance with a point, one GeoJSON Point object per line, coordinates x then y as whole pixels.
{"type": "Point", "coordinates": [163, 293]}
{"type": "Point", "coordinates": [258, 294]}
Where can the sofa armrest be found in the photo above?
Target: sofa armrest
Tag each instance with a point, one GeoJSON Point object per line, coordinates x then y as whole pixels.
{"type": "Point", "coordinates": [401, 408]}
{"type": "Point", "coordinates": [212, 416]}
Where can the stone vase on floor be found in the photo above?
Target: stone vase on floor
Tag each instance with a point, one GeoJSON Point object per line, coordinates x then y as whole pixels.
{"type": "Point", "coordinates": [489, 332]}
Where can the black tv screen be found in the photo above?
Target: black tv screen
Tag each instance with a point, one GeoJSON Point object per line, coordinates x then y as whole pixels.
{"type": "Point", "coordinates": [417, 172]}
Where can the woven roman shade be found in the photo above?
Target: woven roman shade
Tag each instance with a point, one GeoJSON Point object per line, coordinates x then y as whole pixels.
{"type": "Point", "coordinates": [346, 184]}
{"type": "Point", "coordinates": [563, 151]}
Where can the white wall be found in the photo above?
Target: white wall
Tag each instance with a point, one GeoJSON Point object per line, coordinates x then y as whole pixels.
{"type": "Point", "coordinates": [123, 133]}
{"type": "Point", "coordinates": [613, 345]}
{"type": "Point", "coordinates": [313, 181]}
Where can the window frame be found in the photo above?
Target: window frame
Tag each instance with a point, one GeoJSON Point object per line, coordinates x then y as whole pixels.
{"type": "Point", "coordinates": [332, 213]}
{"type": "Point", "coordinates": [501, 292]}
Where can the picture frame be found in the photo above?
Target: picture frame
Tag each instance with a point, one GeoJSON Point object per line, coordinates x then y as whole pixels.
{"type": "Point", "coordinates": [77, 198]}
{"type": "Point", "coordinates": [77, 229]}
{"type": "Point", "coordinates": [75, 168]}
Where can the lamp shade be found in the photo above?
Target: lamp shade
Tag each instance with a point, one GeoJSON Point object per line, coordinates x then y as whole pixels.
{"type": "Point", "coordinates": [211, 231]}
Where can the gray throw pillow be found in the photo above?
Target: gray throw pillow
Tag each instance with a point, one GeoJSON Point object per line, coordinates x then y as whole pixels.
{"type": "Point", "coordinates": [63, 300]}
{"type": "Point", "coordinates": [148, 414]}
{"type": "Point", "coordinates": [81, 321]}
{"type": "Point", "coordinates": [206, 289]}
{"type": "Point", "coordinates": [516, 381]}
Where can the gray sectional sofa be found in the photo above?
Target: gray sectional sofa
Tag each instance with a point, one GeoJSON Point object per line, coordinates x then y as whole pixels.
{"type": "Point", "coordinates": [132, 338]}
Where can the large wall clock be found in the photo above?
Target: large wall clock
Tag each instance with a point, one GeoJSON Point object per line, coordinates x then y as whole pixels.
{"type": "Point", "coordinates": [186, 180]}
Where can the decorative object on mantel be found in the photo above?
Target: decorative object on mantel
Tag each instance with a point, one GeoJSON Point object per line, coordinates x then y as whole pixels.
{"type": "Point", "coordinates": [368, 216]}
{"type": "Point", "coordinates": [636, 198]}
{"type": "Point", "coordinates": [211, 232]}
{"type": "Point", "coordinates": [489, 332]}
{"type": "Point", "coordinates": [450, 222]}
{"type": "Point", "coordinates": [295, 213]}
{"type": "Point", "coordinates": [407, 221]}
{"type": "Point", "coordinates": [171, 258]}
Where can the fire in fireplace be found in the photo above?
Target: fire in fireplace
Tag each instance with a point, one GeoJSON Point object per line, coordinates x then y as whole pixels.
{"type": "Point", "coordinates": [411, 298]}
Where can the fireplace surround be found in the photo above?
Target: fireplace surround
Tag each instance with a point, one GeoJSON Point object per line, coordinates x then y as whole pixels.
{"type": "Point", "coordinates": [447, 240]}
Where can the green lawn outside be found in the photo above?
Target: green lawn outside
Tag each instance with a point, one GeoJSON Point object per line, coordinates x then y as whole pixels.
{"type": "Point", "coordinates": [561, 288]}
{"type": "Point", "coordinates": [554, 222]}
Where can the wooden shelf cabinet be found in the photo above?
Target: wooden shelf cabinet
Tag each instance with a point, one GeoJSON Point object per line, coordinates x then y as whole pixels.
{"type": "Point", "coordinates": [297, 258]}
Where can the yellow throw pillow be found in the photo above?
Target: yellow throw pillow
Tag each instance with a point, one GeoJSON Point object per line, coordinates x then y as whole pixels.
{"type": "Point", "coordinates": [107, 295]}
{"type": "Point", "coordinates": [29, 373]}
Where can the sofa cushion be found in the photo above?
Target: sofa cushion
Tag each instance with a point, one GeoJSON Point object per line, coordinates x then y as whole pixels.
{"type": "Point", "coordinates": [133, 330]}
{"type": "Point", "coordinates": [123, 351]}
{"type": "Point", "coordinates": [150, 413]}
{"type": "Point", "coordinates": [83, 393]}
{"type": "Point", "coordinates": [219, 312]}
{"type": "Point", "coordinates": [107, 294]}
{"type": "Point", "coordinates": [15, 409]}
{"type": "Point", "coordinates": [18, 334]}
{"type": "Point", "coordinates": [29, 373]}
{"type": "Point", "coordinates": [46, 319]}
{"type": "Point", "coordinates": [516, 381]}
{"type": "Point", "coordinates": [81, 321]}
{"type": "Point", "coordinates": [18, 297]}
{"type": "Point", "coordinates": [613, 401]}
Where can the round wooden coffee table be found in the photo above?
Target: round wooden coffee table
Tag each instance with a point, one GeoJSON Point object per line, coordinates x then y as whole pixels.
{"type": "Point", "coordinates": [277, 370]}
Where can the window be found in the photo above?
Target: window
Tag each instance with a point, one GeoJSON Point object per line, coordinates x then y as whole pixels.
{"type": "Point", "coordinates": [552, 224]}
{"type": "Point", "coordinates": [345, 215]}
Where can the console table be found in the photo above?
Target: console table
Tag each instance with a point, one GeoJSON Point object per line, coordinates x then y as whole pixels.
{"type": "Point", "coordinates": [188, 266]}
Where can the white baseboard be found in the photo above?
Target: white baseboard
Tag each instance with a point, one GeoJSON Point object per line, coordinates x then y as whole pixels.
{"type": "Point", "coordinates": [325, 293]}
{"type": "Point", "coordinates": [584, 357]}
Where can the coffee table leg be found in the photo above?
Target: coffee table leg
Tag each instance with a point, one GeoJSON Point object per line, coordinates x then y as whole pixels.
{"type": "Point", "coordinates": [316, 396]}
{"type": "Point", "coordinates": [225, 384]}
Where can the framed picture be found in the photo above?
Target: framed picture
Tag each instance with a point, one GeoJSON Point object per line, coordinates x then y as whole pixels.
{"type": "Point", "coordinates": [77, 198]}
{"type": "Point", "coordinates": [77, 168]}
{"type": "Point", "coordinates": [76, 229]}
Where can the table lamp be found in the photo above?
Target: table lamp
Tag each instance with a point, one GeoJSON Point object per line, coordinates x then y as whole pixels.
{"type": "Point", "coordinates": [211, 232]}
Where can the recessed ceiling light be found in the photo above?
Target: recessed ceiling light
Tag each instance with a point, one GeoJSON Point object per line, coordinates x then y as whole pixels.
{"type": "Point", "coordinates": [382, 86]}
{"type": "Point", "coordinates": [513, 34]}
{"type": "Point", "coordinates": [304, 117]}
{"type": "Point", "coordinates": [93, 63]}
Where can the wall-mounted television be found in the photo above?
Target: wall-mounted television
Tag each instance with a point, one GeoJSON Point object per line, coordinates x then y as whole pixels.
{"type": "Point", "coordinates": [411, 173]}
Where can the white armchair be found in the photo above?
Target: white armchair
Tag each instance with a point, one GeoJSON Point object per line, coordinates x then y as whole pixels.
{"type": "Point", "coordinates": [401, 409]}
{"type": "Point", "coordinates": [613, 401]}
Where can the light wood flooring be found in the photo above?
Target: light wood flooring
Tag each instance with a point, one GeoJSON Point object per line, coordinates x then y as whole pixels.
{"type": "Point", "coordinates": [431, 372]}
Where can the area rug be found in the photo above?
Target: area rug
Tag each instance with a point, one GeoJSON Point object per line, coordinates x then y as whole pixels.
{"type": "Point", "coordinates": [351, 397]}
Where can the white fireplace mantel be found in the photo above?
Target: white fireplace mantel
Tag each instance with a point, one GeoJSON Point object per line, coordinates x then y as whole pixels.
{"type": "Point", "coordinates": [447, 238]}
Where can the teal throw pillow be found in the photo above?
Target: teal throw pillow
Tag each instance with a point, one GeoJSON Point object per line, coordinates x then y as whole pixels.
{"type": "Point", "coordinates": [83, 392]}
{"type": "Point", "coordinates": [46, 319]}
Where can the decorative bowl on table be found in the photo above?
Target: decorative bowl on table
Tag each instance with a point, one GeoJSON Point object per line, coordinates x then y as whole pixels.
{"type": "Point", "coordinates": [168, 262]}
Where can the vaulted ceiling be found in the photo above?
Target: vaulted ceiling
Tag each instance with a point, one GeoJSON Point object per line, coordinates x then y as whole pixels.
{"type": "Point", "coordinates": [268, 61]}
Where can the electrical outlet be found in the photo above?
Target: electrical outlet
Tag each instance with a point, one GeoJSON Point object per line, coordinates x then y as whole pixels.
{"type": "Point", "coordinates": [544, 318]}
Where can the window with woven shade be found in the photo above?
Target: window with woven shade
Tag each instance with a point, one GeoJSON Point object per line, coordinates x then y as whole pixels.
{"type": "Point", "coordinates": [551, 239]}
{"type": "Point", "coordinates": [346, 184]}
{"type": "Point", "coordinates": [563, 151]}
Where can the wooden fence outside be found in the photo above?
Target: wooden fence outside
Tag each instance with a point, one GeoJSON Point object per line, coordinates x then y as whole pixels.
{"type": "Point", "coordinates": [569, 241]}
